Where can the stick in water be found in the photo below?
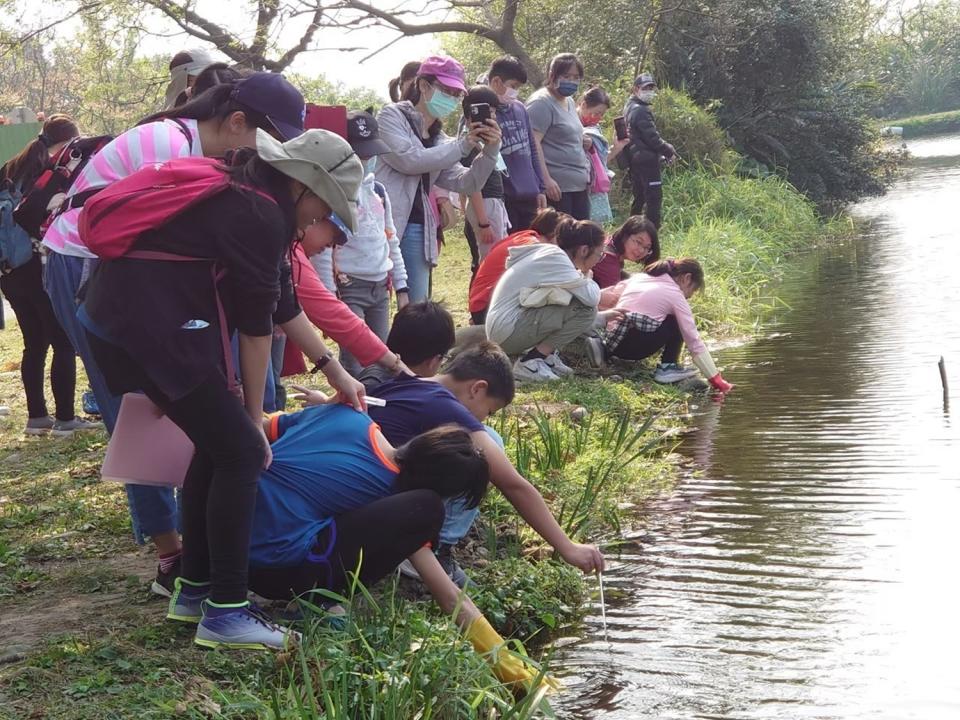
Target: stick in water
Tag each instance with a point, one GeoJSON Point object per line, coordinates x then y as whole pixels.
{"type": "Point", "coordinates": [943, 381]}
{"type": "Point", "coordinates": [603, 606]}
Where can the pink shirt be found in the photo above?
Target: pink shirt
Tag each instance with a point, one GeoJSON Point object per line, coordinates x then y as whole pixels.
{"type": "Point", "coordinates": [657, 298]}
{"type": "Point", "coordinates": [124, 155]}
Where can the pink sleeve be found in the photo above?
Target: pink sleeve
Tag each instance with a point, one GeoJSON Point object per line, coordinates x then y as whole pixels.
{"type": "Point", "coordinates": [688, 326]}
{"type": "Point", "coordinates": [331, 316]}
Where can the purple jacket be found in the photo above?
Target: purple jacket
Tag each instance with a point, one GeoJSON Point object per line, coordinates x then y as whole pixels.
{"type": "Point", "coordinates": [522, 178]}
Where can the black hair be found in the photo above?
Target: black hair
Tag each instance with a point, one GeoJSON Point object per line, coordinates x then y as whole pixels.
{"type": "Point", "coordinates": [485, 361]}
{"type": "Point", "coordinates": [572, 234]}
{"type": "Point", "coordinates": [421, 331]}
{"type": "Point", "coordinates": [217, 74]}
{"type": "Point", "coordinates": [479, 94]}
{"type": "Point", "coordinates": [546, 221]}
{"type": "Point", "coordinates": [596, 95]}
{"type": "Point", "coordinates": [413, 96]}
{"type": "Point", "coordinates": [446, 461]}
{"type": "Point", "coordinates": [635, 225]}
{"type": "Point", "coordinates": [561, 64]}
{"type": "Point", "coordinates": [408, 72]}
{"type": "Point", "coordinates": [214, 103]}
{"type": "Point", "coordinates": [249, 173]}
{"type": "Point", "coordinates": [507, 67]}
{"type": "Point", "coordinates": [677, 267]}
{"type": "Point", "coordinates": [24, 169]}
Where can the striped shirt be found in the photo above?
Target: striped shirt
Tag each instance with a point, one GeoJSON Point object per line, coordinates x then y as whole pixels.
{"type": "Point", "coordinates": [151, 143]}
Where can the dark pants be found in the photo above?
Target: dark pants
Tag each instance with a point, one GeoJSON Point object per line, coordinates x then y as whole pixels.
{"type": "Point", "coordinates": [520, 212]}
{"type": "Point", "coordinates": [647, 186]}
{"type": "Point", "coordinates": [637, 345]}
{"type": "Point", "coordinates": [385, 532]}
{"type": "Point", "coordinates": [575, 204]}
{"type": "Point", "coordinates": [220, 488]}
{"type": "Point", "coordinates": [23, 287]}
{"type": "Point", "coordinates": [474, 250]}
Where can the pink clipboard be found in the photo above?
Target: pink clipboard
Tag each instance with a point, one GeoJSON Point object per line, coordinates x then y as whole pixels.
{"type": "Point", "coordinates": [146, 448]}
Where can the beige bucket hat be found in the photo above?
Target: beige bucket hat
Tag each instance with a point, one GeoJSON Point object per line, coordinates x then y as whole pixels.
{"type": "Point", "coordinates": [324, 162]}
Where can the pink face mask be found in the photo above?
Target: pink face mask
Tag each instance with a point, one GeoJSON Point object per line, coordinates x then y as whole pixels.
{"type": "Point", "coordinates": [590, 119]}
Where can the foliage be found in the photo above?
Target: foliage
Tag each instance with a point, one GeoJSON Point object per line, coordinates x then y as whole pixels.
{"type": "Point", "coordinates": [321, 91]}
{"type": "Point", "coordinates": [692, 130]}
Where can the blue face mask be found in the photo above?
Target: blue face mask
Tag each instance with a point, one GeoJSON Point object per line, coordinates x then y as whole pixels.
{"type": "Point", "coordinates": [440, 104]}
{"type": "Point", "coordinates": [568, 88]}
{"type": "Point", "coordinates": [370, 165]}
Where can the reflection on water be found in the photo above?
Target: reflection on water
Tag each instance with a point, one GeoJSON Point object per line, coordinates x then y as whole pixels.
{"type": "Point", "coordinates": [809, 567]}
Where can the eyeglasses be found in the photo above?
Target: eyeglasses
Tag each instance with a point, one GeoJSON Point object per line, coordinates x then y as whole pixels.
{"type": "Point", "coordinates": [458, 94]}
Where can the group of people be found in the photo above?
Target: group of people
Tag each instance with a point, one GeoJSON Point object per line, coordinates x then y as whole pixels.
{"type": "Point", "coordinates": [195, 255]}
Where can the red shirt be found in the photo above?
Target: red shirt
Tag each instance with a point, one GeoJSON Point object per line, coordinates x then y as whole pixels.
{"type": "Point", "coordinates": [493, 266]}
{"type": "Point", "coordinates": [607, 270]}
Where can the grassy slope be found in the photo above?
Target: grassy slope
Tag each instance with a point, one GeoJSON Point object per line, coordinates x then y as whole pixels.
{"type": "Point", "coordinates": [921, 125]}
{"type": "Point", "coordinates": [87, 640]}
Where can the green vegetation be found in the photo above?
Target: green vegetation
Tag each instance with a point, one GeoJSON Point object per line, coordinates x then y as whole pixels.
{"type": "Point", "coordinates": [922, 125]}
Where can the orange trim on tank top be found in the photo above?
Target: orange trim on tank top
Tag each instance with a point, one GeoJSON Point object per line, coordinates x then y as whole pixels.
{"type": "Point", "coordinates": [378, 452]}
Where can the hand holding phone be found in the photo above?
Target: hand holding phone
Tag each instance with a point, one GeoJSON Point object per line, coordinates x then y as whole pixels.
{"type": "Point", "coordinates": [480, 112]}
{"type": "Point", "coordinates": [620, 127]}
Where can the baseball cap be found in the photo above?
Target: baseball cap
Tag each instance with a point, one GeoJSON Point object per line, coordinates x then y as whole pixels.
{"type": "Point", "coordinates": [445, 69]}
{"type": "Point", "coordinates": [644, 79]}
{"type": "Point", "coordinates": [363, 134]}
{"type": "Point", "coordinates": [273, 96]}
{"type": "Point", "coordinates": [324, 162]}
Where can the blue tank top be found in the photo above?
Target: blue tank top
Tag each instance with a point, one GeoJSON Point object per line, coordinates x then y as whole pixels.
{"type": "Point", "coordinates": [325, 462]}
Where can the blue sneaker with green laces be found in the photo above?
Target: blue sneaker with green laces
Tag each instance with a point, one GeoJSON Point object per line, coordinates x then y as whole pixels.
{"type": "Point", "coordinates": [241, 626]}
{"type": "Point", "coordinates": [186, 600]}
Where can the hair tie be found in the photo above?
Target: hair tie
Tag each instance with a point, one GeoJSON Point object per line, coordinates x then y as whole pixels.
{"type": "Point", "coordinates": [670, 265]}
{"type": "Point", "coordinates": [44, 140]}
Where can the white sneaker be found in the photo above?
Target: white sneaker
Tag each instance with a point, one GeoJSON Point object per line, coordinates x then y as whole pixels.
{"type": "Point", "coordinates": [534, 370]}
{"type": "Point", "coordinates": [406, 568]}
{"type": "Point", "coordinates": [560, 368]}
{"type": "Point", "coordinates": [595, 352]}
{"type": "Point", "coordinates": [667, 373]}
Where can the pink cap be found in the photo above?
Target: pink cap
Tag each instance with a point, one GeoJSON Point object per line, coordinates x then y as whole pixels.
{"type": "Point", "coordinates": [446, 70]}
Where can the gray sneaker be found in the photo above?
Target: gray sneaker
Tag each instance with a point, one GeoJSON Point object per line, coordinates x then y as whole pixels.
{"type": "Point", "coordinates": [39, 426]}
{"type": "Point", "coordinates": [668, 373]}
{"type": "Point", "coordinates": [65, 428]}
{"type": "Point", "coordinates": [451, 567]}
{"type": "Point", "coordinates": [535, 370]}
{"type": "Point", "coordinates": [595, 352]}
{"type": "Point", "coordinates": [560, 368]}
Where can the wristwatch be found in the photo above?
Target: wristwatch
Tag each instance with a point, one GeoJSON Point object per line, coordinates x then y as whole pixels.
{"type": "Point", "coordinates": [321, 363]}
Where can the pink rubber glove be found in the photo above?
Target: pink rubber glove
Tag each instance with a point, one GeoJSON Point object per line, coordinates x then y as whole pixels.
{"type": "Point", "coordinates": [720, 385]}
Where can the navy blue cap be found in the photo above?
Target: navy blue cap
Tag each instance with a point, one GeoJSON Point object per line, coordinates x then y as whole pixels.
{"type": "Point", "coordinates": [272, 95]}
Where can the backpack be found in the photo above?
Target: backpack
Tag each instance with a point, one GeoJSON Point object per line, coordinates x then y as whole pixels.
{"type": "Point", "coordinates": [16, 245]}
{"type": "Point", "coordinates": [50, 189]}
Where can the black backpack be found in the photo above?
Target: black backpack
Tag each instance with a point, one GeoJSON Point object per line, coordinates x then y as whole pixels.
{"type": "Point", "coordinates": [50, 189]}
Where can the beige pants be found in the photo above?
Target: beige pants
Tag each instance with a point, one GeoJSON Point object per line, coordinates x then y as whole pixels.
{"type": "Point", "coordinates": [553, 325]}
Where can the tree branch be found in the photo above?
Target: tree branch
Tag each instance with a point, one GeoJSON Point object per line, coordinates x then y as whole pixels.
{"type": "Point", "coordinates": [303, 44]}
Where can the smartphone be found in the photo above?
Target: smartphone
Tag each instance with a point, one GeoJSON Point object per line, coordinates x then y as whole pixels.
{"type": "Point", "coordinates": [620, 127]}
{"type": "Point", "coordinates": [480, 112]}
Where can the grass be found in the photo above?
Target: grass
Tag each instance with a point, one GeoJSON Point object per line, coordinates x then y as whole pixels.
{"type": "Point", "coordinates": [84, 639]}
{"type": "Point", "coordinates": [933, 124]}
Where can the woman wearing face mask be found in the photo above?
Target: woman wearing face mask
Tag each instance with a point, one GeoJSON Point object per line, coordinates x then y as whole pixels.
{"type": "Point", "coordinates": [421, 156]}
{"type": "Point", "coordinates": [558, 135]}
{"type": "Point", "coordinates": [646, 148]}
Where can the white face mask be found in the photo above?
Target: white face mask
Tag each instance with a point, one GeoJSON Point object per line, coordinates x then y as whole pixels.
{"type": "Point", "coordinates": [647, 96]}
{"type": "Point", "coordinates": [510, 93]}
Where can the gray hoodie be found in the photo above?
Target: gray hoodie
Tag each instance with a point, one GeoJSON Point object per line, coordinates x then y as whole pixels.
{"type": "Point", "coordinates": [400, 171]}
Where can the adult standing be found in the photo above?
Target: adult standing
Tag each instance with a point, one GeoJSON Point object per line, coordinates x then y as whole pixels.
{"type": "Point", "coordinates": [558, 134]}
{"type": "Point", "coordinates": [423, 156]}
{"type": "Point", "coordinates": [185, 68]}
{"type": "Point", "coordinates": [646, 148]}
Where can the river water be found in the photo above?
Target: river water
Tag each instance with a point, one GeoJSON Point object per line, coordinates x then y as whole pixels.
{"type": "Point", "coordinates": [809, 565]}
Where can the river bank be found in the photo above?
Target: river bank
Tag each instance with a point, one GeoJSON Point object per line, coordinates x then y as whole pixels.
{"type": "Point", "coordinates": [924, 125]}
{"type": "Point", "coordinates": [79, 625]}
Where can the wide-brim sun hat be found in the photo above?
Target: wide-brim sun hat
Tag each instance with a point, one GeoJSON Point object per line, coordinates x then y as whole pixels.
{"type": "Point", "coordinates": [324, 162]}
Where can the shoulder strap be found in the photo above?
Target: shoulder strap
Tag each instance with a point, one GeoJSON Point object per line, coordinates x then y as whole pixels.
{"type": "Point", "coordinates": [380, 190]}
{"type": "Point", "coordinates": [184, 129]}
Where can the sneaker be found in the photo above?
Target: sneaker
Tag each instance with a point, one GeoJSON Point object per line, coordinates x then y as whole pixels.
{"type": "Point", "coordinates": [163, 584]}
{"type": "Point", "coordinates": [241, 628]}
{"type": "Point", "coordinates": [65, 428]}
{"type": "Point", "coordinates": [534, 370]}
{"type": "Point", "coordinates": [667, 373]}
{"type": "Point", "coordinates": [407, 569]}
{"type": "Point", "coordinates": [186, 601]}
{"type": "Point", "coordinates": [596, 352]}
{"type": "Point", "coordinates": [451, 567]}
{"type": "Point", "coordinates": [89, 402]}
{"type": "Point", "coordinates": [560, 368]}
{"type": "Point", "coordinates": [39, 426]}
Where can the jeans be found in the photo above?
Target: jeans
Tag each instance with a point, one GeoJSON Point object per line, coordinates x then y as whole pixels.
{"type": "Point", "coordinates": [459, 518]}
{"type": "Point", "coordinates": [415, 260]}
{"type": "Point", "coordinates": [370, 302]}
{"type": "Point", "coordinates": [153, 510]}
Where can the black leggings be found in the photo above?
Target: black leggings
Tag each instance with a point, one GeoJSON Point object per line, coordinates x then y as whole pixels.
{"type": "Point", "coordinates": [647, 186]}
{"type": "Point", "coordinates": [637, 345]}
{"type": "Point", "coordinates": [220, 489]}
{"type": "Point", "coordinates": [23, 287]}
{"type": "Point", "coordinates": [386, 532]}
{"type": "Point", "coordinates": [574, 204]}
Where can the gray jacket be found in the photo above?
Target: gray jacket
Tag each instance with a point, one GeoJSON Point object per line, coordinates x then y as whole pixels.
{"type": "Point", "coordinates": [400, 171]}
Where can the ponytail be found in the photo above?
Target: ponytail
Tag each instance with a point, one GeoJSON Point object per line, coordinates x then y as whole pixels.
{"type": "Point", "coordinates": [677, 267]}
{"type": "Point", "coordinates": [572, 234]}
{"type": "Point", "coordinates": [24, 169]}
{"type": "Point", "coordinates": [214, 103]}
{"type": "Point", "coordinates": [547, 221]}
{"type": "Point", "coordinates": [407, 72]}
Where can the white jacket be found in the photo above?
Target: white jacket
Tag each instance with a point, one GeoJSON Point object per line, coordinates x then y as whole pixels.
{"type": "Point", "coordinates": [372, 251]}
{"type": "Point", "coordinates": [536, 275]}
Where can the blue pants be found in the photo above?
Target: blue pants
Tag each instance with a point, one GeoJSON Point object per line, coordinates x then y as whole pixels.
{"type": "Point", "coordinates": [415, 260]}
{"type": "Point", "coordinates": [459, 518]}
{"type": "Point", "coordinates": [153, 510]}
{"type": "Point", "coordinates": [270, 387]}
